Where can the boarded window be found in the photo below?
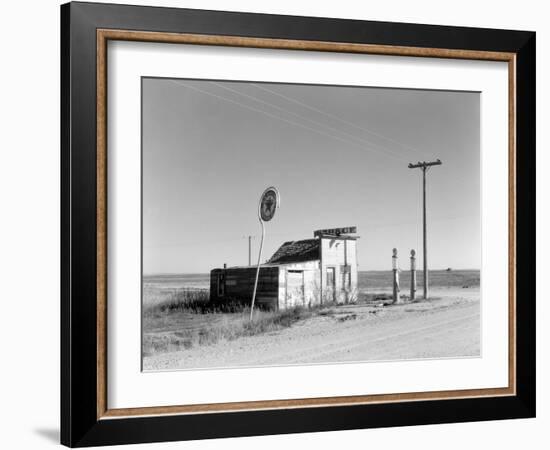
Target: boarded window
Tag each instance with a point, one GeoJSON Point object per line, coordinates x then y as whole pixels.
{"type": "Point", "coordinates": [221, 285]}
{"type": "Point", "coordinates": [346, 277]}
{"type": "Point", "coordinates": [346, 281]}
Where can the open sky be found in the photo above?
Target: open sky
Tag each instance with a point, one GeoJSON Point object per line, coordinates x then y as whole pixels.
{"type": "Point", "coordinates": [338, 156]}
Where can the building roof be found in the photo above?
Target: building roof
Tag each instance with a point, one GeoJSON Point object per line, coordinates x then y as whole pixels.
{"type": "Point", "coordinates": [297, 251]}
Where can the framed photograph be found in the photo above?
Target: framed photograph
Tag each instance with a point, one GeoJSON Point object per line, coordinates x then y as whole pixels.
{"type": "Point", "coordinates": [277, 224]}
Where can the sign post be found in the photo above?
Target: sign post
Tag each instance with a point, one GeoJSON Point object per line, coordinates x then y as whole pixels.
{"type": "Point", "coordinates": [269, 202]}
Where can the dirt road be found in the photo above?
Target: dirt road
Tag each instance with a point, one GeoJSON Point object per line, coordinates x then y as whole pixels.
{"type": "Point", "coordinates": [449, 327]}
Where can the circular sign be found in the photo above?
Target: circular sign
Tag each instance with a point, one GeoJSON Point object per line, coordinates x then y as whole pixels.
{"type": "Point", "coordinates": [269, 202]}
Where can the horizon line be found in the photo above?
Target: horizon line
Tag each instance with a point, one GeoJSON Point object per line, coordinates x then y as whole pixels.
{"type": "Point", "coordinates": [372, 270]}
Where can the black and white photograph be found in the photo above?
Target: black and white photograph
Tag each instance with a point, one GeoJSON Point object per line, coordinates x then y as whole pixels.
{"type": "Point", "coordinates": [297, 224]}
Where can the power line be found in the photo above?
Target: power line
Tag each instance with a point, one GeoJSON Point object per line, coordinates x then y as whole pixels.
{"type": "Point", "coordinates": [271, 105]}
{"type": "Point", "coordinates": [251, 108]}
{"type": "Point", "coordinates": [305, 105]}
{"type": "Point", "coordinates": [354, 125]}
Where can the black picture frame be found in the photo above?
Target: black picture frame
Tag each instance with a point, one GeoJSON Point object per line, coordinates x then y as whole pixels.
{"type": "Point", "coordinates": [80, 425]}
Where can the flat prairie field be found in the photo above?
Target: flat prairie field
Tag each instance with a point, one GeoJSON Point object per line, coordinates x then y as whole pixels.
{"type": "Point", "coordinates": [182, 330]}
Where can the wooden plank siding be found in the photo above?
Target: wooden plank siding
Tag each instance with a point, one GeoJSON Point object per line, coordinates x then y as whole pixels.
{"type": "Point", "coordinates": [309, 295]}
{"type": "Point", "coordinates": [286, 284]}
{"type": "Point", "coordinates": [239, 285]}
{"type": "Point", "coordinates": [340, 254]}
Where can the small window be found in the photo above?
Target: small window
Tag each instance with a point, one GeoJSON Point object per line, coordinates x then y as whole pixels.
{"type": "Point", "coordinates": [330, 276]}
{"type": "Point", "coordinates": [346, 277]}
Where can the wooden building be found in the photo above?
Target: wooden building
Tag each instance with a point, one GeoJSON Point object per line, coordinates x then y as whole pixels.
{"type": "Point", "coordinates": [300, 273]}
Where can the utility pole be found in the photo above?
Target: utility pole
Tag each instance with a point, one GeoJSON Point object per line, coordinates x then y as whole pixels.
{"type": "Point", "coordinates": [249, 237]}
{"type": "Point", "coordinates": [424, 166]}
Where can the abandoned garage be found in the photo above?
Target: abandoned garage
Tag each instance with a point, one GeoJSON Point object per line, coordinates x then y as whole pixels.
{"type": "Point", "coordinates": [300, 273]}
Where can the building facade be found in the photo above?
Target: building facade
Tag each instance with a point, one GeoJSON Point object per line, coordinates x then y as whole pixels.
{"type": "Point", "coordinates": [305, 273]}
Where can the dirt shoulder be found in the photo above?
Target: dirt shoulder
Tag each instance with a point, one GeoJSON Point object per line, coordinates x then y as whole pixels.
{"type": "Point", "coordinates": [445, 327]}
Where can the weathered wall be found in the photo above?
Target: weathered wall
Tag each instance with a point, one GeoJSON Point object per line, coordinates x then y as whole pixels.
{"type": "Point", "coordinates": [239, 285]}
{"type": "Point", "coordinates": [295, 284]}
{"type": "Point", "coordinates": [298, 284]}
{"type": "Point", "coordinates": [337, 254]}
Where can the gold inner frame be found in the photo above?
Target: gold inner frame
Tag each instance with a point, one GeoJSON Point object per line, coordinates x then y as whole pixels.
{"type": "Point", "coordinates": [104, 35]}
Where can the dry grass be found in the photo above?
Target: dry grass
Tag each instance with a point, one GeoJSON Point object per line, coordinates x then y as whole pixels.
{"type": "Point", "coordinates": [185, 318]}
{"type": "Point", "coordinates": [217, 327]}
{"type": "Point", "coordinates": [179, 319]}
{"type": "Point", "coordinates": [160, 300]}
